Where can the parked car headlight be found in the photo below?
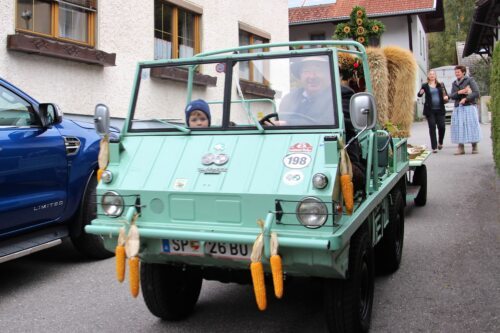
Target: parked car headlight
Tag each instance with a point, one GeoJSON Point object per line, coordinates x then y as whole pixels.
{"type": "Point", "coordinates": [112, 204]}
{"type": "Point", "coordinates": [312, 212]}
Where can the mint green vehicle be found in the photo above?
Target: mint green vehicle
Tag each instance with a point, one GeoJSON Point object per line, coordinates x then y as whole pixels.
{"type": "Point", "coordinates": [196, 194]}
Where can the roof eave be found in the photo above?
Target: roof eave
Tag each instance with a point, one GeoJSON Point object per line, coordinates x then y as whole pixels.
{"type": "Point", "coordinates": [387, 14]}
{"type": "Point", "coordinates": [475, 38]}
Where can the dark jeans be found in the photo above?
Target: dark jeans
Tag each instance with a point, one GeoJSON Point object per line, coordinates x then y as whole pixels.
{"type": "Point", "coordinates": [433, 119]}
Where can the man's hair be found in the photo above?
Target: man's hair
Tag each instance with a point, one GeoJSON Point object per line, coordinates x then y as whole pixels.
{"type": "Point", "coordinates": [463, 69]}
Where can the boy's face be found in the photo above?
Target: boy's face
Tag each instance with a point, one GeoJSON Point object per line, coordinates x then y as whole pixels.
{"type": "Point", "coordinates": [198, 119]}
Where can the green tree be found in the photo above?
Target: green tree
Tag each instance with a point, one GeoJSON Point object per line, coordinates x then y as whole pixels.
{"type": "Point", "coordinates": [457, 17]}
{"type": "Point", "coordinates": [481, 71]}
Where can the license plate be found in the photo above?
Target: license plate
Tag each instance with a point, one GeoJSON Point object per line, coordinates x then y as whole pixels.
{"type": "Point", "coordinates": [228, 250]}
{"type": "Point", "coordinates": [213, 249]}
{"type": "Point", "coordinates": [182, 247]}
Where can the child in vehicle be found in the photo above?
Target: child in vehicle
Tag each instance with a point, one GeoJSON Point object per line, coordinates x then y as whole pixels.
{"type": "Point", "coordinates": [198, 114]}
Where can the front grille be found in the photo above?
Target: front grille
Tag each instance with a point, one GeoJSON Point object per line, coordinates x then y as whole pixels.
{"type": "Point", "coordinates": [72, 145]}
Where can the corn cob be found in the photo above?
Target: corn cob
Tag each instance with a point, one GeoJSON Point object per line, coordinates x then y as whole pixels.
{"type": "Point", "coordinates": [134, 276]}
{"type": "Point", "coordinates": [259, 286]}
{"type": "Point", "coordinates": [347, 192]}
{"type": "Point", "coordinates": [346, 184]}
{"type": "Point", "coordinates": [276, 267]}
{"type": "Point", "coordinates": [99, 174]}
{"type": "Point", "coordinates": [120, 256]}
{"type": "Point", "coordinates": [257, 271]}
{"type": "Point", "coordinates": [132, 250]}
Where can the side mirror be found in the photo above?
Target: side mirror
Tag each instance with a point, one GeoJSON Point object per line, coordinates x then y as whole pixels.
{"type": "Point", "coordinates": [101, 119]}
{"type": "Point", "coordinates": [50, 114]}
{"type": "Point", "coordinates": [363, 111]}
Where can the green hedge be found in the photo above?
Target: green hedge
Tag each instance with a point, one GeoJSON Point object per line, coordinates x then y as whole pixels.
{"type": "Point", "coordinates": [495, 106]}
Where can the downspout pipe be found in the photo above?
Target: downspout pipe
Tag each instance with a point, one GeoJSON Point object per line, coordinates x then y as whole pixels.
{"type": "Point", "coordinates": [410, 39]}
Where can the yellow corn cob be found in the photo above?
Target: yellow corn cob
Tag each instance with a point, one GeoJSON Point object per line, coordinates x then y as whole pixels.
{"type": "Point", "coordinates": [259, 286]}
{"type": "Point", "coordinates": [276, 266]}
{"type": "Point", "coordinates": [134, 275]}
{"type": "Point", "coordinates": [347, 192]}
{"type": "Point", "coordinates": [99, 174]}
{"type": "Point", "coordinates": [277, 270]}
{"type": "Point", "coordinates": [120, 262]}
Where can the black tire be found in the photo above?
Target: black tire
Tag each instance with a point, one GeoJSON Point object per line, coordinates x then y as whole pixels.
{"type": "Point", "coordinates": [420, 178]}
{"type": "Point", "coordinates": [389, 250]}
{"type": "Point", "coordinates": [348, 303]}
{"type": "Point", "coordinates": [91, 246]}
{"type": "Point", "coordinates": [170, 292]}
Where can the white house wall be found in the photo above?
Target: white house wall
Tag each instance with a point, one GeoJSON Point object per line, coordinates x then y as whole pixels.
{"type": "Point", "coordinates": [128, 32]}
{"type": "Point", "coordinates": [304, 32]}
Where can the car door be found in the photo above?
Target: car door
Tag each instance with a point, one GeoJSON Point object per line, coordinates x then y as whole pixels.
{"type": "Point", "coordinates": [33, 166]}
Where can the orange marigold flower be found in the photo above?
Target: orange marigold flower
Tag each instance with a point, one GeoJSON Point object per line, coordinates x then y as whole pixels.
{"type": "Point", "coordinates": [359, 21]}
{"type": "Point", "coordinates": [375, 28]}
{"type": "Point", "coordinates": [361, 39]}
{"type": "Point", "coordinates": [360, 31]}
{"type": "Point", "coordinates": [359, 13]}
{"type": "Point", "coordinates": [347, 29]}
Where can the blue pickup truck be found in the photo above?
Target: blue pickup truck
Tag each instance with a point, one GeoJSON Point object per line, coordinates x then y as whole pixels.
{"type": "Point", "coordinates": [47, 178]}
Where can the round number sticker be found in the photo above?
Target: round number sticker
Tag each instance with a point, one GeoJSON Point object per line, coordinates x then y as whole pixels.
{"type": "Point", "coordinates": [297, 161]}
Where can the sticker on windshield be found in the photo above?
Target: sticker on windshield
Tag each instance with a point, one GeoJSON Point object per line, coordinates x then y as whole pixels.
{"type": "Point", "coordinates": [297, 161]}
{"type": "Point", "coordinates": [301, 147]}
{"type": "Point", "coordinates": [293, 177]}
{"type": "Point", "coordinates": [145, 73]}
{"type": "Point", "coordinates": [220, 67]}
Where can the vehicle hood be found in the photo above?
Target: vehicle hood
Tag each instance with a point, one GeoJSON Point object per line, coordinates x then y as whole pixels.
{"type": "Point", "coordinates": [277, 164]}
{"type": "Point", "coordinates": [83, 128]}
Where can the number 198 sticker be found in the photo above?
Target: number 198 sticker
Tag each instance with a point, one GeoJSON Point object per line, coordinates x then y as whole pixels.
{"type": "Point", "coordinates": [297, 161]}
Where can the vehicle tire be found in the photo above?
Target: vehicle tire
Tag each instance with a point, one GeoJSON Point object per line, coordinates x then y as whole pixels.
{"type": "Point", "coordinates": [389, 251]}
{"type": "Point", "coordinates": [420, 178]}
{"type": "Point", "coordinates": [170, 292]}
{"type": "Point", "coordinates": [348, 303]}
{"type": "Point", "coordinates": [91, 246]}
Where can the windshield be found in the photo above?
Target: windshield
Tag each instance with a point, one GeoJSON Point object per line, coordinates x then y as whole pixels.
{"type": "Point", "coordinates": [278, 93]}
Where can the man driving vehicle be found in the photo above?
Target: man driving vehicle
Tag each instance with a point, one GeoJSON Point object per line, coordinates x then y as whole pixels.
{"type": "Point", "coordinates": [311, 103]}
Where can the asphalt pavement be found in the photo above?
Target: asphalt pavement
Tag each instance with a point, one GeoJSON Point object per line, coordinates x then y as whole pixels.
{"type": "Point", "coordinates": [449, 280]}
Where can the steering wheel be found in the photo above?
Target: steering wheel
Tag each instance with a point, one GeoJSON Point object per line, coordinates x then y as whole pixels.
{"type": "Point", "coordinates": [267, 119]}
{"type": "Point", "coordinates": [297, 118]}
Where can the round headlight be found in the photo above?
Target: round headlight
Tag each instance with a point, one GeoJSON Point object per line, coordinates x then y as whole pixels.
{"type": "Point", "coordinates": [107, 176]}
{"type": "Point", "coordinates": [312, 212]}
{"type": "Point", "coordinates": [112, 204]}
{"type": "Point", "coordinates": [320, 181]}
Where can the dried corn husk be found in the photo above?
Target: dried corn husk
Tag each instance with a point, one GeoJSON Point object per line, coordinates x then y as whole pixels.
{"type": "Point", "coordinates": [103, 158]}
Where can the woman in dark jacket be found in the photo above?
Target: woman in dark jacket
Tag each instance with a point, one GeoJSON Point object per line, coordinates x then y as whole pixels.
{"type": "Point", "coordinates": [435, 98]}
